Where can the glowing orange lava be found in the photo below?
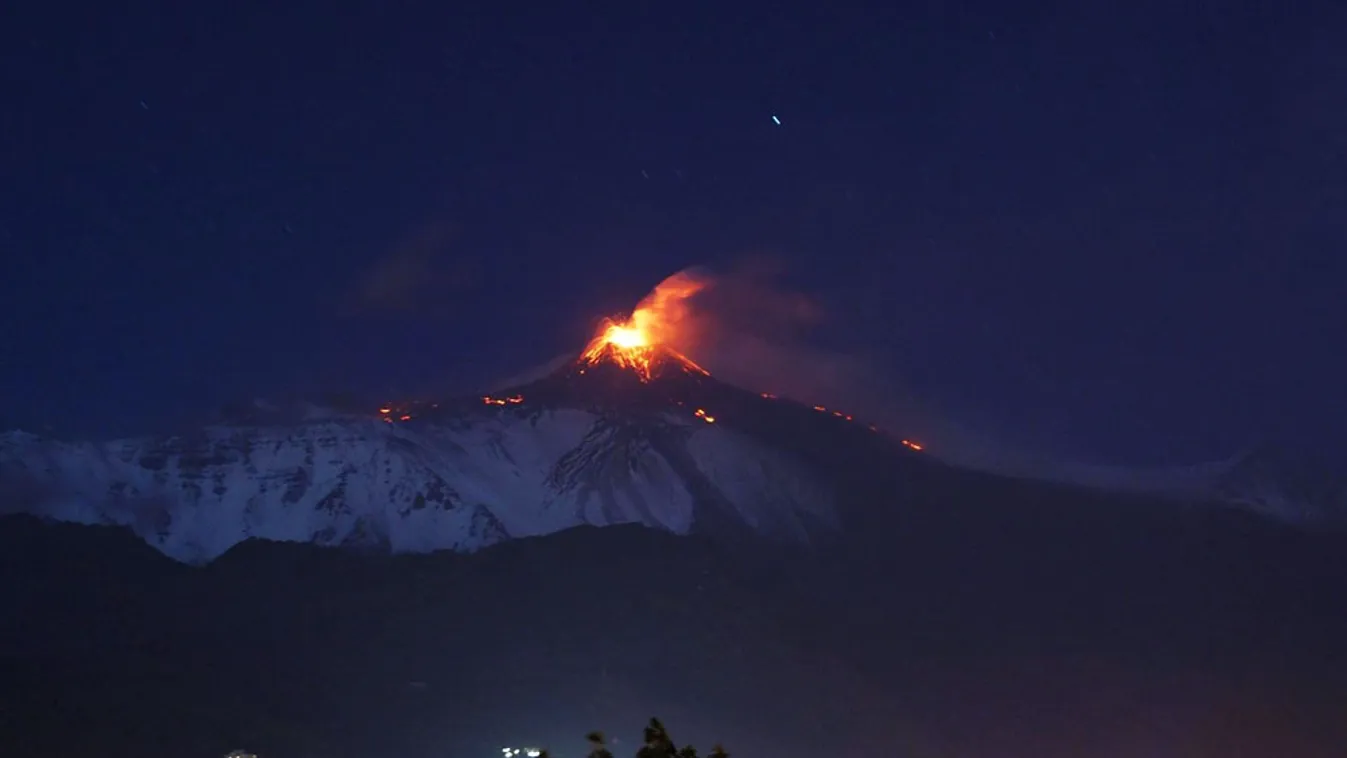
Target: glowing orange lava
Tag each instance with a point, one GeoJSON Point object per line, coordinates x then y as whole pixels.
{"type": "Point", "coordinates": [642, 342]}
{"type": "Point", "coordinates": [391, 413]}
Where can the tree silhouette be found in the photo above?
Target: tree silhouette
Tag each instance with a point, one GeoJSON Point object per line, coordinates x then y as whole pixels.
{"type": "Point", "coordinates": [658, 744]}
{"type": "Point", "coordinates": [598, 747]}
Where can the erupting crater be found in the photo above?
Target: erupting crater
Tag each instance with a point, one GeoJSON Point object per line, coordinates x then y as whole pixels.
{"type": "Point", "coordinates": [641, 343]}
{"type": "Point", "coordinates": [630, 348]}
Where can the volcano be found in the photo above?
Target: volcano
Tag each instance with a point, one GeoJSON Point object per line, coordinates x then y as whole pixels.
{"type": "Point", "coordinates": [630, 431]}
{"type": "Point", "coordinates": [856, 559]}
{"type": "Point", "coordinates": [620, 368]}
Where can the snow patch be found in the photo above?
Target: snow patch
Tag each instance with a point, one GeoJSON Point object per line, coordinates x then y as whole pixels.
{"type": "Point", "coordinates": [460, 483]}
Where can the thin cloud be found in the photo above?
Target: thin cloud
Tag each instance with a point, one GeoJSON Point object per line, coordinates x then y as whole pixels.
{"type": "Point", "coordinates": [418, 271]}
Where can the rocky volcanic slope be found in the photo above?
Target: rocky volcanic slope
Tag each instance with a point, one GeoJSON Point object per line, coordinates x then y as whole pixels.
{"type": "Point", "coordinates": [455, 479]}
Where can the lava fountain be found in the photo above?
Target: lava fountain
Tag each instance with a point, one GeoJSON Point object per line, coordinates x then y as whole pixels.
{"type": "Point", "coordinates": [641, 343]}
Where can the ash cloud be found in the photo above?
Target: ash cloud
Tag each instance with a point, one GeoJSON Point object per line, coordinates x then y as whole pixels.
{"type": "Point", "coordinates": [418, 271]}
{"type": "Point", "coordinates": [749, 327]}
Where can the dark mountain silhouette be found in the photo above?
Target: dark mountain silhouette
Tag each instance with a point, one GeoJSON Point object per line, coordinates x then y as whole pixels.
{"type": "Point", "coordinates": [960, 615]}
{"type": "Point", "coordinates": [929, 610]}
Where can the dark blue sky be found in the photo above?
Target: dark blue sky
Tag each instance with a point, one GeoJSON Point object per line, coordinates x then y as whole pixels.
{"type": "Point", "coordinates": [1117, 228]}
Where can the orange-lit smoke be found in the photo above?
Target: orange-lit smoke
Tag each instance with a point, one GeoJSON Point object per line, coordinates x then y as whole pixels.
{"type": "Point", "coordinates": [667, 310]}
{"type": "Point", "coordinates": [656, 325]}
{"type": "Point", "coordinates": [749, 328]}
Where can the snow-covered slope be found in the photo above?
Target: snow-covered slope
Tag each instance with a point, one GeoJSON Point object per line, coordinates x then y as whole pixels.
{"type": "Point", "coordinates": [1289, 487]}
{"type": "Point", "coordinates": [461, 481]}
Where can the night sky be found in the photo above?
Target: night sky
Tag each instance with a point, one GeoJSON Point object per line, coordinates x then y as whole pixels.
{"type": "Point", "coordinates": [1117, 230]}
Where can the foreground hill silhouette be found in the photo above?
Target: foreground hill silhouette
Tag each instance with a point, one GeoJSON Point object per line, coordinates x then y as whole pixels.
{"type": "Point", "coordinates": [980, 617]}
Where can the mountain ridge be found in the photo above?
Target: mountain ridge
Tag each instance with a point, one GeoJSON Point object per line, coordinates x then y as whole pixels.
{"type": "Point", "coordinates": [455, 476]}
{"type": "Point", "coordinates": [981, 628]}
{"type": "Point", "coordinates": [607, 438]}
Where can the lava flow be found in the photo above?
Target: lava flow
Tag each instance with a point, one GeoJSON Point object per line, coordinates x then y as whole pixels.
{"type": "Point", "coordinates": [641, 343]}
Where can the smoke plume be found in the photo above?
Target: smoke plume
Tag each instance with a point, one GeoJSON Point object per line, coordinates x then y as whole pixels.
{"type": "Point", "coordinates": [750, 327]}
